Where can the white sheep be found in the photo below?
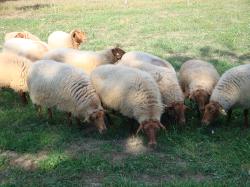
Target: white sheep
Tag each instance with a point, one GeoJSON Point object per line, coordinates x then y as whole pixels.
{"type": "Point", "coordinates": [86, 60]}
{"type": "Point", "coordinates": [60, 39]}
{"type": "Point", "coordinates": [172, 95]}
{"type": "Point", "coordinates": [33, 50]}
{"type": "Point", "coordinates": [13, 73]}
{"type": "Point", "coordinates": [147, 58]}
{"type": "Point", "coordinates": [231, 91]}
{"type": "Point", "coordinates": [53, 84]}
{"type": "Point", "coordinates": [131, 92]}
{"type": "Point", "coordinates": [22, 34]}
{"type": "Point", "coordinates": [198, 79]}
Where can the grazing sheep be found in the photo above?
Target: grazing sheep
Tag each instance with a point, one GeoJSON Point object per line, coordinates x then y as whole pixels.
{"type": "Point", "coordinates": [33, 50]}
{"type": "Point", "coordinates": [131, 92]}
{"type": "Point", "coordinates": [198, 79]}
{"type": "Point", "coordinates": [86, 60]}
{"type": "Point", "coordinates": [146, 57]}
{"type": "Point", "coordinates": [53, 84]}
{"type": "Point", "coordinates": [60, 39]}
{"type": "Point", "coordinates": [172, 95]}
{"type": "Point", "coordinates": [13, 73]}
{"type": "Point", "coordinates": [232, 91]}
{"type": "Point", "coordinates": [23, 34]}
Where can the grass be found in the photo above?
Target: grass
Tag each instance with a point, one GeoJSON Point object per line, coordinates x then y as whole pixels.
{"type": "Point", "coordinates": [38, 152]}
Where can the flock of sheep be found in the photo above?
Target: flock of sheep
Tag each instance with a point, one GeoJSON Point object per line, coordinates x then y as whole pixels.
{"type": "Point", "coordinates": [139, 85]}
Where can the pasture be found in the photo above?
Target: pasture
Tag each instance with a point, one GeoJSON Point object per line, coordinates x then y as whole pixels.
{"type": "Point", "coordinates": [40, 152]}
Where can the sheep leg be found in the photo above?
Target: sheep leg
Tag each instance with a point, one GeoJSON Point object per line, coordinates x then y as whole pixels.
{"type": "Point", "coordinates": [39, 110]}
{"type": "Point", "coordinates": [50, 113]}
{"type": "Point", "coordinates": [69, 119]}
{"type": "Point", "coordinates": [229, 115]}
{"type": "Point", "coordinates": [23, 97]}
{"type": "Point", "coordinates": [78, 121]}
{"type": "Point", "coordinates": [246, 118]}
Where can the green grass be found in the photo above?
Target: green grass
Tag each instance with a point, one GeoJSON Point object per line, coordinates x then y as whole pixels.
{"type": "Point", "coordinates": [38, 152]}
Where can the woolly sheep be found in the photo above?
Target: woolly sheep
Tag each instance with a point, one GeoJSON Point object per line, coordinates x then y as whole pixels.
{"type": "Point", "coordinates": [172, 95]}
{"type": "Point", "coordinates": [146, 57]}
{"type": "Point", "coordinates": [231, 91]}
{"type": "Point", "coordinates": [86, 60]}
{"type": "Point", "coordinates": [33, 50]}
{"type": "Point", "coordinates": [133, 93]}
{"type": "Point", "coordinates": [198, 79]}
{"type": "Point", "coordinates": [13, 73]}
{"type": "Point", "coordinates": [23, 34]}
{"type": "Point", "coordinates": [60, 39]}
{"type": "Point", "coordinates": [53, 84]}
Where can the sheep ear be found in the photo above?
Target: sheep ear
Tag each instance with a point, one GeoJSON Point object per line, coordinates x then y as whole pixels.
{"type": "Point", "coordinates": [20, 35]}
{"type": "Point", "coordinates": [223, 112]}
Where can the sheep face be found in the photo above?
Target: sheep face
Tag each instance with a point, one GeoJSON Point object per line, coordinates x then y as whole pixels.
{"type": "Point", "coordinates": [118, 53]}
{"type": "Point", "coordinates": [201, 97]}
{"type": "Point", "coordinates": [150, 128]}
{"type": "Point", "coordinates": [177, 110]}
{"type": "Point", "coordinates": [97, 118]}
{"type": "Point", "coordinates": [79, 36]}
{"type": "Point", "coordinates": [212, 111]}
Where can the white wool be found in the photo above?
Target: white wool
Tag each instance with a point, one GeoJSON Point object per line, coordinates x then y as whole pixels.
{"type": "Point", "coordinates": [198, 74]}
{"type": "Point", "coordinates": [13, 71]}
{"type": "Point", "coordinates": [130, 91]}
{"type": "Point", "coordinates": [24, 34]}
{"type": "Point", "coordinates": [85, 60]}
{"type": "Point", "coordinates": [33, 50]}
{"type": "Point", "coordinates": [59, 39]}
{"type": "Point", "coordinates": [232, 90]}
{"type": "Point", "coordinates": [53, 84]}
{"type": "Point", "coordinates": [165, 77]}
{"type": "Point", "coordinates": [147, 58]}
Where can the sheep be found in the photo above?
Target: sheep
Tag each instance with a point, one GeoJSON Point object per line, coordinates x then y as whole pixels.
{"type": "Point", "coordinates": [53, 84]}
{"type": "Point", "coordinates": [13, 73]}
{"type": "Point", "coordinates": [33, 50]}
{"type": "Point", "coordinates": [60, 39]}
{"type": "Point", "coordinates": [23, 34]}
{"type": "Point", "coordinates": [198, 79]}
{"type": "Point", "coordinates": [231, 91]}
{"type": "Point", "coordinates": [146, 57]}
{"type": "Point", "coordinates": [86, 60]}
{"type": "Point", "coordinates": [133, 93]}
{"type": "Point", "coordinates": [172, 95]}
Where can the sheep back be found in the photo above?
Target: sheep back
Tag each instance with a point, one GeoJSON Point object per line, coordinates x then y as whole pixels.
{"type": "Point", "coordinates": [61, 85]}
{"type": "Point", "coordinates": [232, 90]}
{"type": "Point", "coordinates": [132, 92]}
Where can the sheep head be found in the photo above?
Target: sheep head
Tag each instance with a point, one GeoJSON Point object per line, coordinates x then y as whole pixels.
{"type": "Point", "coordinates": [212, 111]}
{"type": "Point", "coordinates": [178, 110]}
{"type": "Point", "coordinates": [201, 97]}
{"type": "Point", "coordinates": [150, 128]}
{"type": "Point", "coordinates": [117, 53]}
{"type": "Point", "coordinates": [78, 37]}
{"type": "Point", "coordinates": [97, 118]}
{"type": "Point", "coordinates": [21, 35]}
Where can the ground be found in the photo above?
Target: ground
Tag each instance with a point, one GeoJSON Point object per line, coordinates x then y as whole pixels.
{"type": "Point", "coordinates": [38, 152]}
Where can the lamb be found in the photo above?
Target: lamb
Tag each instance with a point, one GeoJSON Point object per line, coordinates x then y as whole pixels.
{"type": "Point", "coordinates": [33, 50]}
{"type": "Point", "coordinates": [131, 92]}
{"type": "Point", "coordinates": [13, 73]}
{"type": "Point", "coordinates": [231, 91]}
{"type": "Point", "coordinates": [23, 34]}
{"type": "Point", "coordinates": [86, 60]}
{"type": "Point", "coordinates": [53, 84]}
{"type": "Point", "coordinates": [60, 39]}
{"type": "Point", "coordinates": [198, 79]}
{"type": "Point", "coordinates": [147, 58]}
{"type": "Point", "coordinates": [172, 95]}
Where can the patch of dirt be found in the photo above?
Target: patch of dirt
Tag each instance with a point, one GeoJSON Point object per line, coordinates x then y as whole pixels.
{"type": "Point", "coordinates": [25, 161]}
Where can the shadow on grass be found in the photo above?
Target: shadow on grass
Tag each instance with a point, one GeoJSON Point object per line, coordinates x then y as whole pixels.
{"type": "Point", "coordinates": [32, 7]}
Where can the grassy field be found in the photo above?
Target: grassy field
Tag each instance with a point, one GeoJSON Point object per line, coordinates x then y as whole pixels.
{"type": "Point", "coordinates": [38, 152]}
